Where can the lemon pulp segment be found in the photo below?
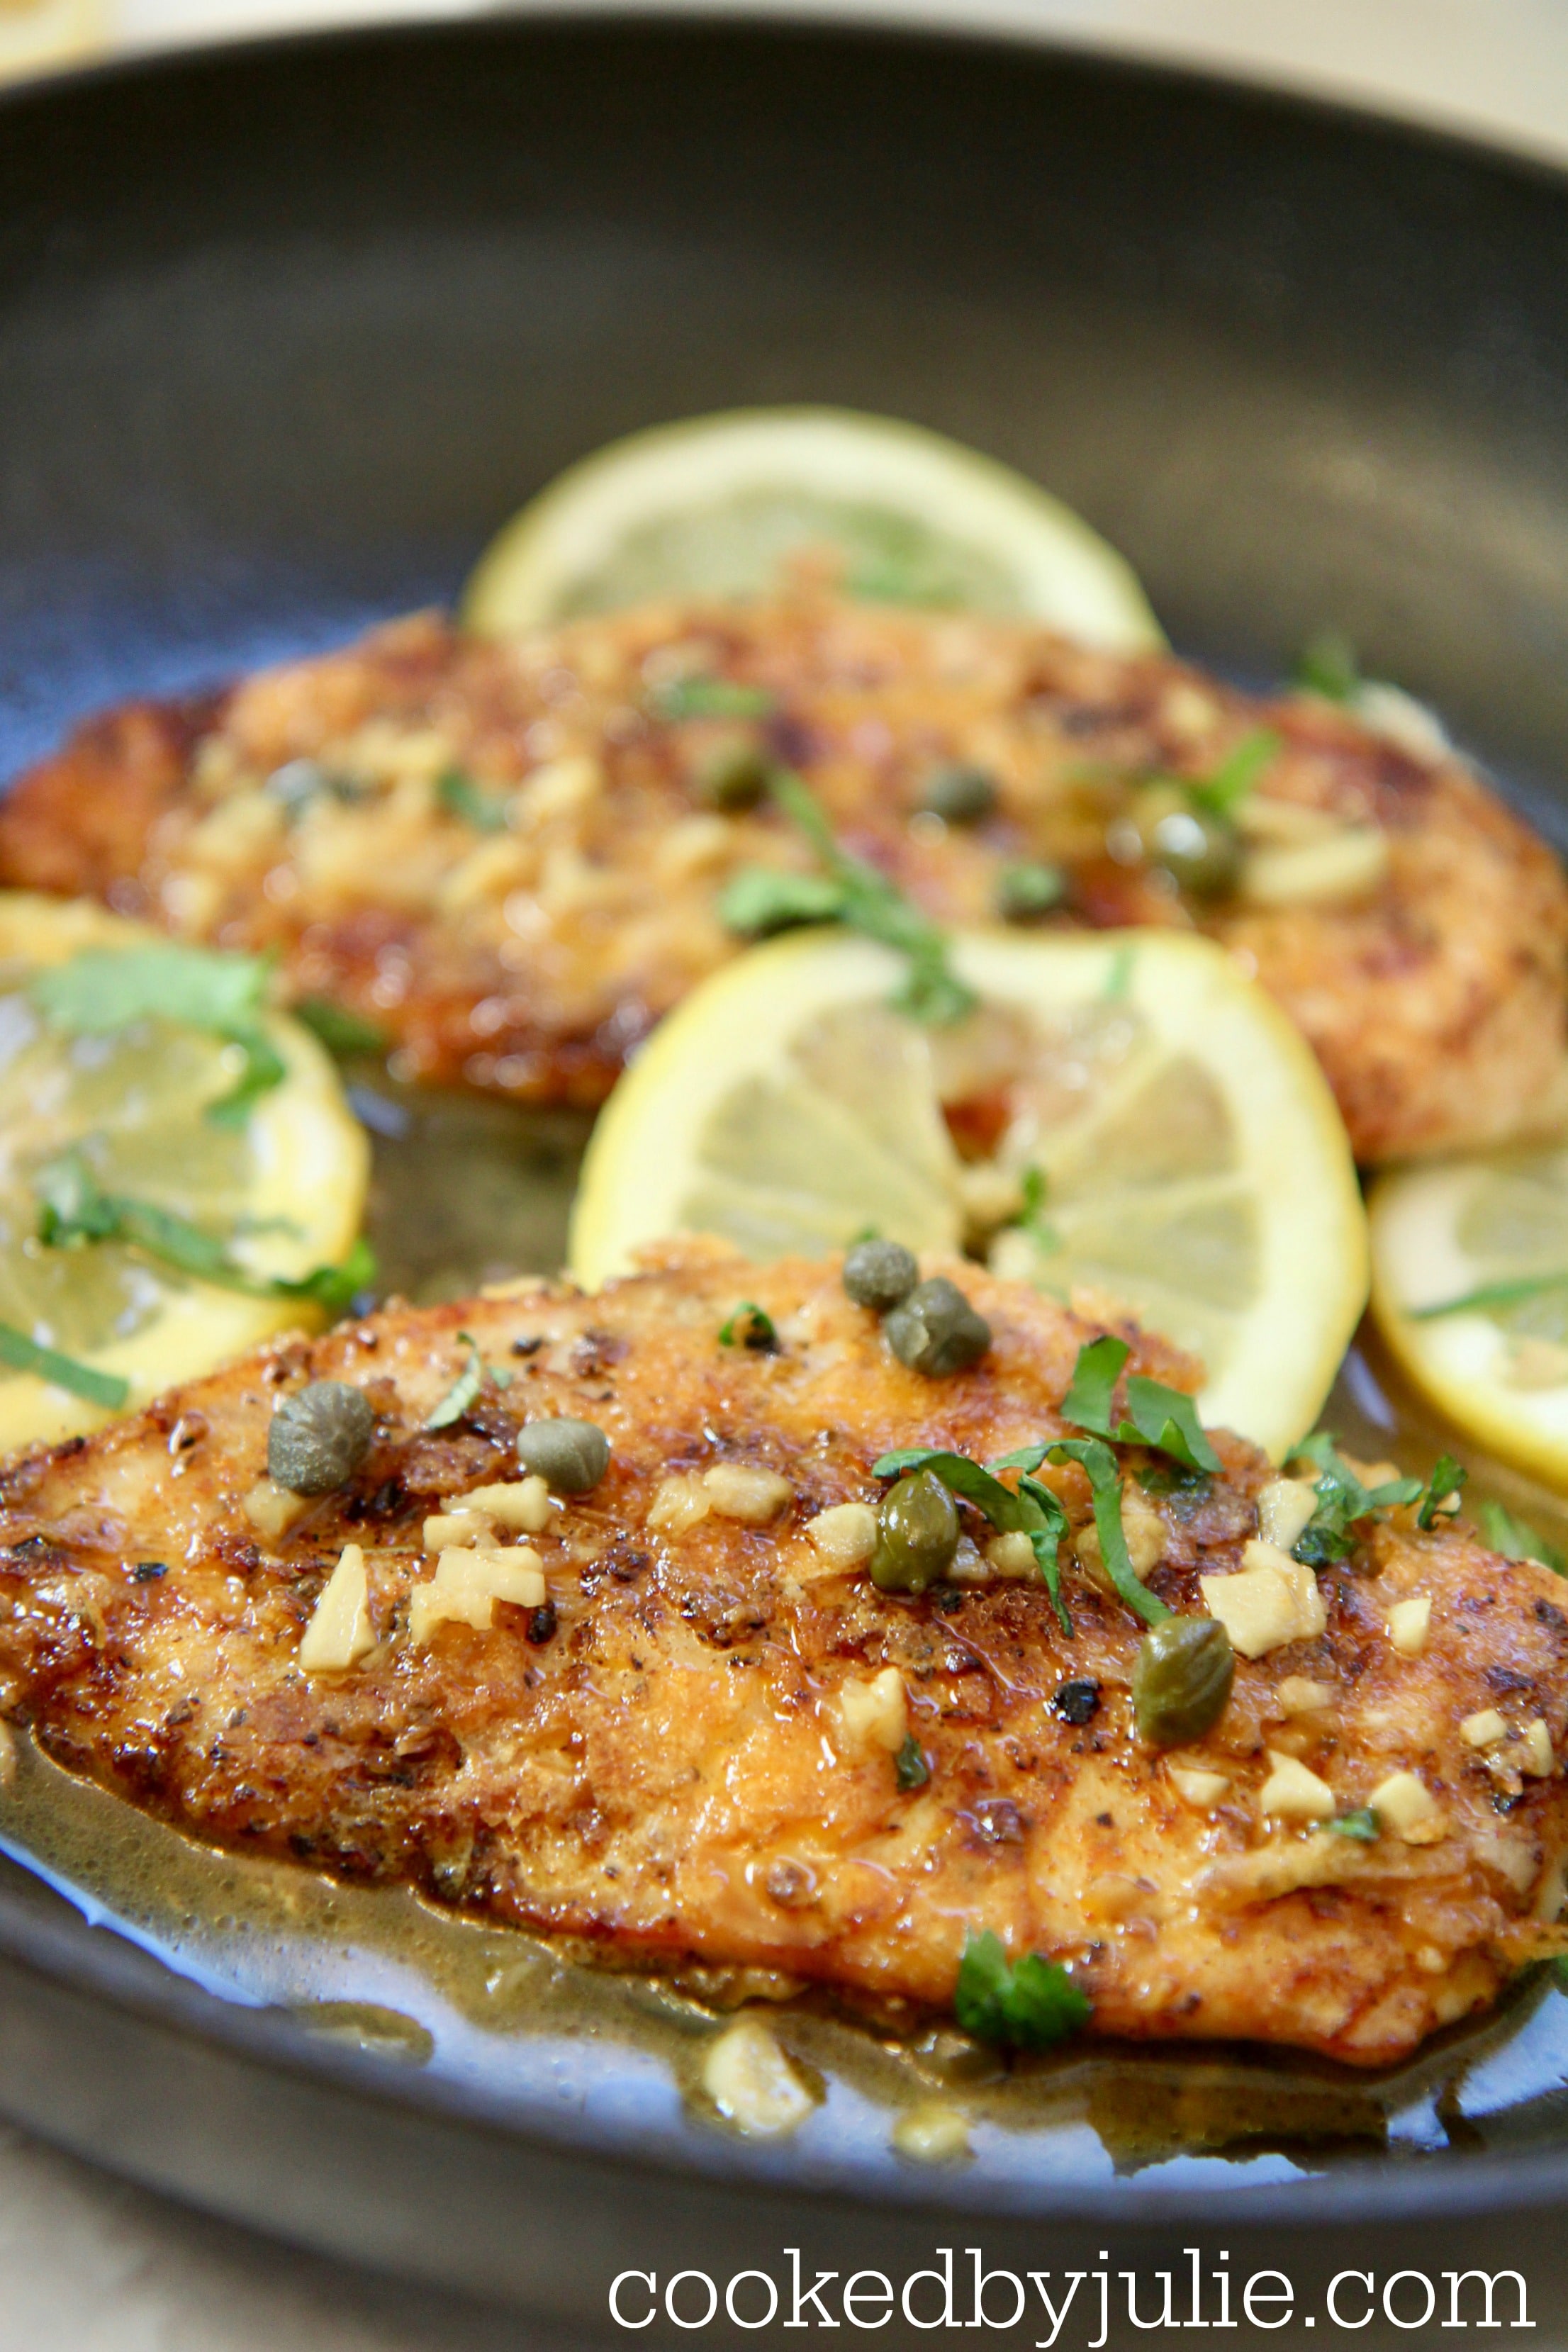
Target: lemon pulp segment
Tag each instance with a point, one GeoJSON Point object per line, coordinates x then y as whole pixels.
{"type": "Point", "coordinates": [286, 1191]}
{"type": "Point", "coordinates": [1494, 1223]}
{"type": "Point", "coordinates": [724, 506]}
{"type": "Point", "coordinates": [1168, 1142]}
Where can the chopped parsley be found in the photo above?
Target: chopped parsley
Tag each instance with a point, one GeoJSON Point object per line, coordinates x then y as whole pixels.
{"type": "Point", "coordinates": [1032, 1511]}
{"type": "Point", "coordinates": [76, 1212]}
{"type": "Point", "coordinates": [1493, 1295]}
{"type": "Point", "coordinates": [853, 893]}
{"type": "Point", "coordinates": [1222, 793]}
{"type": "Point", "coordinates": [1099, 1466]}
{"type": "Point", "coordinates": [910, 1766]}
{"type": "Point", "coordinates": [750, 1327]}
{"type": "Point", "coordinates": [472, 802]}
{"type": "Point", "coordinates": [1327, 665]}
{"type": "Point", "coordinates": [1030, 2005]}
{"type": "Point", "coordinates": [1443, 1490]}
{"type": "Point", "coordinates": [1342, 1502]}
{"type": "Point", "coordinates": [1119, 979]}
{"type": "Point", "coordinates": [760, 900]}
{"type": "Point", "coordinates": [463, 1390]}
{"type": "Point", "coordinates": [25, 1355]}
{"type": "Point", "coordinates": [1517, 1539]}
{"type": "Point", "coordinates": [102, 990]}
{"type": "Point", "coordinates": [711, 697]}
{"type": "Point", "coordinates": [1362, 1824]}
{"type": "Point", "coordinates": [262, 1068]}
{"type": "Point", "coordinates": [1032, 1219]}
{"type": "Point", "coordinates": [339, 1030]}
{"type": "Point", "coordinates": [1159, 1416]}
{"type": "Point", "coordinates": [1027, 889]}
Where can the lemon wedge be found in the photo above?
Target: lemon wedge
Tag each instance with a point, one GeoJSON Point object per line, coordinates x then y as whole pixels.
{"type": "Point", "coordinates": [1484, 1240]}
{"type": "Point", "coordinates": [125, 1111]}
{"type": "Point", "coordinates": [1161, 1137]}
{"type": "Point", "coordinates": [722, 505]}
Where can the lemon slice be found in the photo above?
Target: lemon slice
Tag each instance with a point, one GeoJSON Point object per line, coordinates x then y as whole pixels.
{"type": "Point", "coordinates": [719, 506]}
{"type": "Point", "coordinates": [286, 1189]}
{"type": "Point", "coordinates": [1166, 1131]}
{"type": "Point", "coordinates": [38, 34]}
{"type": "Point", "coordinates": [1492, 1228]}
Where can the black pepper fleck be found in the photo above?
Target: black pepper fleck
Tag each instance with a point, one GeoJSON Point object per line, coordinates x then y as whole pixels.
{"type": "Point", "coordinates": [1076, 1702]}
{"type": "Point", "coordinates": [542, 1626]}
{"type": "Point", "coordinates": [146, 1570]}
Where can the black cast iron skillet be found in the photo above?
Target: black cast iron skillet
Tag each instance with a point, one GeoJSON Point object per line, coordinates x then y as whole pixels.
{"type": "Point", "coordinates": [285, 330]}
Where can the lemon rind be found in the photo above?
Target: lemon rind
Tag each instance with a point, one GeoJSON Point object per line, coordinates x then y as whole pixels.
{"type": "Point", "coordinates": [1449, 1360]}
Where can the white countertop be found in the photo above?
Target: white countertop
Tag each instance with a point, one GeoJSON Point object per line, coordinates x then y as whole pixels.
{"type": "Point", "coordinates": [88, 2265]}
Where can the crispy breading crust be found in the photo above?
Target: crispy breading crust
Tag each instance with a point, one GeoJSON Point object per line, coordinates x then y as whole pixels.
{"type": "Point", "coordinates": [532, 958]}
{"type": "Point", "coordinates": [664, 1770]}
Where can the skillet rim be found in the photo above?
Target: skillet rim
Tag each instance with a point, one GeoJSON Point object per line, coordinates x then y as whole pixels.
{"type": "Point", "coordinates": [139, 1989]}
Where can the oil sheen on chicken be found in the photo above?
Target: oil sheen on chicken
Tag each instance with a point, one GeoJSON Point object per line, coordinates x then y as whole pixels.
{"type": "Point", "coordinates": [510, 857]}
{"type": "Point", "coordinates": [686, 1748]}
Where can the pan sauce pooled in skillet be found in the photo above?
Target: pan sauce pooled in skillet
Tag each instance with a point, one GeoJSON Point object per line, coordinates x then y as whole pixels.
{"type": "Point", "coordinates": [692, 1687]}
{"type": "Point", "coordinates": [510, 857]}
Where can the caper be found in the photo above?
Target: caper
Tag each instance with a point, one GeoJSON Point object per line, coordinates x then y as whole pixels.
{"type": "Point", "coordinates": [916, 1534]}
{"type": "Point", "coordinates": [733, 775]}
{"type": "Point", "coordinates": [319, 1437]}
{"type": "Point", "coordinates": [936, 1331]}
{"type": "Point", "coordinates": [878, 1273]}
{"type": "Point", "coordinates": [960, 795]}
{"type": "Point", "coordinates": [571, 1456]}
{"type": "Point", "coordinates": [1027, 890]}
{"type": "Point", "coordinates": [1199, 852]}
{"type": "Point", "coordinates": [1182, 1679]}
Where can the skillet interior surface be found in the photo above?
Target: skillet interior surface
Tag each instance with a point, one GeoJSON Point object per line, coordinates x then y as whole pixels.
{"type": "Point", "coordinates": [285, 331]}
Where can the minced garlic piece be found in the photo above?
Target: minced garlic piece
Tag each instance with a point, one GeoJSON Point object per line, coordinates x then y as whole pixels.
{"type": "Point", "coordinates": [1195, 1786]}
{"type": "Point", "coordinates": [751, 1497]}
{"type": "Point", "coordinates": [1538, 1759]}
{"type": "Point", "coordinates": [679, 1505]}
{"type": "Point", "coordinates": [1272, 1600]}
{"type": "Point", "coordinates": [1292, 1793]}
{"type": "Point", "coordinates": [1298, 1695]}
{"type": "Point", "coordinates": [522, 1503]}
{"type": "Point", "coordinates": [1483, 1729]}
{"type": "Point", "coordinates": [468, 1584]}
{"type": "Point", "coordinates": [446, 1527]}
{"type": "Point", "coordinates": [1404, 1805]}
{"type": "Point", "coordinates": [876, 1714]}
{"type": "Point", "coordinates": [272, 1510]}
{"type": "Point", "coordinates": [1284, 1508]}
{"type": "Point", "coordinates": [845, 1535]}
{"type": "Point", "coordinates": [1348, 865]}
{"type": "Point", "coordinates": [932, 2134]}
{"type": "Point", "coordinates": [340, 1632]}
{"type": "Point", "coordinates": [1012, 1555]}
{"type": "Point", "coordinates": [751, 2082]}
{"type": "Point", "coordinates": [1409, 1623]}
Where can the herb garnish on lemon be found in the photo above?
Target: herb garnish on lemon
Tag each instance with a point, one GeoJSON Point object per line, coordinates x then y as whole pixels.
{"type": "Point", "coordinates": [180, 1175]}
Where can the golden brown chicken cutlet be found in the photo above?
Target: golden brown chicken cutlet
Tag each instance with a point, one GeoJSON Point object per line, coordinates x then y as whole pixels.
{"type": "Point", "coordinates": [509, 858]}
{"type": "Point", "coordinates": [697, 1727]}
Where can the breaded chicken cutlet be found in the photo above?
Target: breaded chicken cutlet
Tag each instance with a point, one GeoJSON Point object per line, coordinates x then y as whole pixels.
{"type": "Point", "coordinates": [509, 858]}
{"type": "Point", "coordinates": [689, 1730]}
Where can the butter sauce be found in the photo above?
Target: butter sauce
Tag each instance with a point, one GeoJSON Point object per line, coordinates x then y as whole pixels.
{"type": "Point", "coordinates": [522, 2024]}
